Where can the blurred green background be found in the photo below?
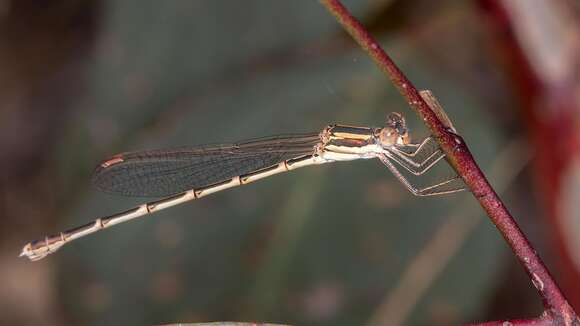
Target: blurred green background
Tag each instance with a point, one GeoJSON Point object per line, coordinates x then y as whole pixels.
{"type": "Point", "coordinates": [329, 245]}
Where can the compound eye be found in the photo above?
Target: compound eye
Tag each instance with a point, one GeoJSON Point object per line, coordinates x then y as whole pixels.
{"type": "Point", "coordinates": [395, 120]}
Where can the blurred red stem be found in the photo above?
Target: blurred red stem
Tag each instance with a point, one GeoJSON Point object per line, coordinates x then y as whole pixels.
{"type": "Point", "coordinates": [541, 321]}
{"type": "Point", "coordinates": [556, 307]}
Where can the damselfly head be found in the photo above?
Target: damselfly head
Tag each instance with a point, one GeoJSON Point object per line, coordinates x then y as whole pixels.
{"type": "Point", "coordinates": [395, 132]}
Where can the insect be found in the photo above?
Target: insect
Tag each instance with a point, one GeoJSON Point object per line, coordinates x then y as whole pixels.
{"type": "Point", "coordinates": [186, 174]}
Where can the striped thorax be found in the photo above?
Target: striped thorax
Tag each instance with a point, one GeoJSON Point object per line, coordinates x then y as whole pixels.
{"type": "Point", "coordinates": [345, 143]}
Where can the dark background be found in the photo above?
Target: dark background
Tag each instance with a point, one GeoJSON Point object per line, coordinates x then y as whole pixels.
{"type": "Point", "coordinates": [340, 244]}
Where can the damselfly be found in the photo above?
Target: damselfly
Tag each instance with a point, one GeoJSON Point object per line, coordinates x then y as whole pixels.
{"type": "Point", "coordinates": [185, 174]}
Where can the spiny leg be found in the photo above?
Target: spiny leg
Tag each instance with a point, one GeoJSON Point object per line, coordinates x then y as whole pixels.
{"type": "Point", "coordinates": [417, 154]}
{"type": "Point", "coordinates": [416, 158]}
{"type": "Point", "coordinates": [436, 189]}
{"type": "Point", "coordinates": [412, 150]}
{"type": "Point", "coordinates": [412, 166]}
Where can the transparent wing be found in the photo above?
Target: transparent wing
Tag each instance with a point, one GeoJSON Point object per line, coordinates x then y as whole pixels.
{"type": "Point", "coordinates": [160, 173]}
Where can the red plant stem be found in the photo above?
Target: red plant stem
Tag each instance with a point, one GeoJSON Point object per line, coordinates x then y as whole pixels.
{"type": "Point", "coordinates": [462, 161]}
